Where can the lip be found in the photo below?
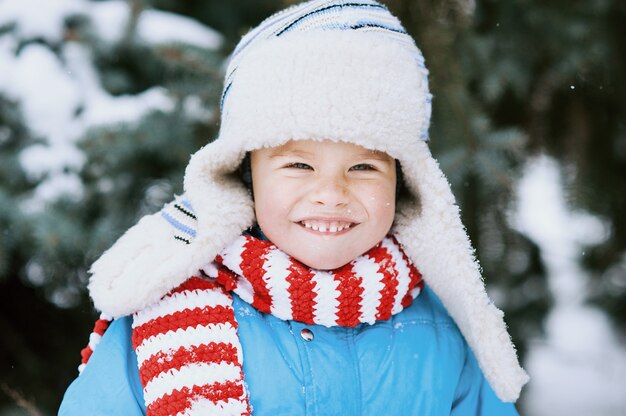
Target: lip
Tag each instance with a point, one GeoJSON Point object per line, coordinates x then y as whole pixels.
{"type": "Point", "coordinates": [328, 220]}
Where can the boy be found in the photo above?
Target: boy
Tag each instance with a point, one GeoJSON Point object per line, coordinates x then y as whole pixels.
{"type": "Point", "coordinates": [306, 228]}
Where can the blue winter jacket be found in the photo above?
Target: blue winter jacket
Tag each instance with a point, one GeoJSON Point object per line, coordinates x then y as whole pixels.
{"type": "Point", "coordinates": [417, 363]}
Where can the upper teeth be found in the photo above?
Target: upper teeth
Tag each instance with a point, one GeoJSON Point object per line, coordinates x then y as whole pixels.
{"type": "Point", "coordinates": [326, 226]}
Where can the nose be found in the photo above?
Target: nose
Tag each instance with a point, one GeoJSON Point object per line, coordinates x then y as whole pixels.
{"type": "Point", "coordinates": [331, 191]}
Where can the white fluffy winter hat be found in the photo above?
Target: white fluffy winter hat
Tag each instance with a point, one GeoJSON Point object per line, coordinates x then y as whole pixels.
{"type": "Point", "coordinates": [323, 69]}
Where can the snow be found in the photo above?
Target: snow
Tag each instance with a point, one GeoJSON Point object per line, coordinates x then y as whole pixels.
{"type": "Point", "coordinates": [155, 27]}
{"type": "Point", "coordinates": [110, 19]}
{"type": "Point", "coordinates": [39, 19]}
{"type": "Point", "coordinates": [51, 87]}
{"type": "Point", "coordinates": [45, 19]}
{"type": "Point", "coordinates": [158, 27]}
{"type": "Point", "coordinates": [45, 91]}
{"type": "Point", "coordinates": [544, 217]}
{"type": "Point", "coordinates": [48, 99]}
{"type": "Point", "coordinates": [41, 160]}
{"type": "Point", "coordinates": [580, 366]}
{"type": "Point", "coordinates": [66, 184]}
{"type": "Point", "coordinates": [100, 107]}
{"type": "Point", "coordinates": [195, 109]}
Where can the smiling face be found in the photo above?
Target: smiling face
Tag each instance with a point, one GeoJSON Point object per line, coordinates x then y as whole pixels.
{"type": "Point", "coordinates": [323, 202]}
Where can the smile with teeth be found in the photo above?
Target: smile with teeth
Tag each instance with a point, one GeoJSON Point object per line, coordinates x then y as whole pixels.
{"type": "Point", "coordinates": [326, 226]}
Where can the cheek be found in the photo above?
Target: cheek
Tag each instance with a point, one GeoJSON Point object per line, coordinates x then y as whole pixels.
{"type": "Point", "coordinates": [388, 211]}
{"type": "Point", "coordinates": [270, 205]}
{"type": "Point", "coordinates": [266, 208]}
{"type": "Point", "coordinates": [262, 202]}
{"type": "Point", "coordinates": [380, 200]}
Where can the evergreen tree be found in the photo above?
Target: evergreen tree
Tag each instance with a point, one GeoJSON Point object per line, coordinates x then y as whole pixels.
{"type": "Point", "coordinates": [511, 80]}
{"type": "Point", "coordinates": [480, 151]}
{"type": "Point", "coordinates": [77, 172]}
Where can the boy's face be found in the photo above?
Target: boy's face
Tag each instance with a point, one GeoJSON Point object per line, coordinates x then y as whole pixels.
{"type": "Point", "coordinates": [324, 203]}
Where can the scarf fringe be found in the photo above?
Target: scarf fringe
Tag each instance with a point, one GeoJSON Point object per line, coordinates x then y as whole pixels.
{"type": "Point", "coordinates": [99, 329]}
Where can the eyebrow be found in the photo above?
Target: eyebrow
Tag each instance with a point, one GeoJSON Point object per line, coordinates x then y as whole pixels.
{"type": "Point", "coordinates": [365, 154]}
{"type": "Point", "coordinates": [374, 154]}
{"type": "Point", "coordinates": [289, 152]}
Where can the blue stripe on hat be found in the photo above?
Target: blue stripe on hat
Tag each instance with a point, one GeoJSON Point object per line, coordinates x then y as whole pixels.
{"type": "Point", "coordinates": [178, 225]}
{"type": "Point", "coordinates": [361, 25]}
{"type": "Point", "coordinates": [325, 16]}
{"type": "Point", "coordinates": [323, 9]}
{"type": "Point", "coordinates": [187, 205]}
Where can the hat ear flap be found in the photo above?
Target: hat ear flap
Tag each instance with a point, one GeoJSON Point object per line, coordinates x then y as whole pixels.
{"type": "Point", "coordinates": [434, 238]}
{"type": "Point", "coordinates": [150, 259]}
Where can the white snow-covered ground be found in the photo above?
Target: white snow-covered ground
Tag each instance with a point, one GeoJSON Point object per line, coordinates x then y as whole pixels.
{"type": "Point", "coordinates": [579, 369]}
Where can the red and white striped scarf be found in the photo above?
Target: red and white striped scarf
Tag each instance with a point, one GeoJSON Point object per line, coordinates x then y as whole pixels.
{"type": "Point", "coordinates": [189, 354]}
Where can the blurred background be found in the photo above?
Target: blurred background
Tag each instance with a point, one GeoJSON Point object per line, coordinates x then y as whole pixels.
{"type": "Point", "coordinates": [102, 102]}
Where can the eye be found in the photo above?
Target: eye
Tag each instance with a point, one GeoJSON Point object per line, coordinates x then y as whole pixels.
{"type": "Point", "coordinates": [363, 166]}
{"type": "Point", "coordinates": [299, 165]}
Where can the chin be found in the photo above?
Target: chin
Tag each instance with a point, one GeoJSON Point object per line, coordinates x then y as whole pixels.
{"type": "Point", "coordinates": [325, 263]}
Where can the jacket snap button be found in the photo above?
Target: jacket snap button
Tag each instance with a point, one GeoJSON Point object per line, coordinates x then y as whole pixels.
{"type": "Point", "coordinates": [306, 334]}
